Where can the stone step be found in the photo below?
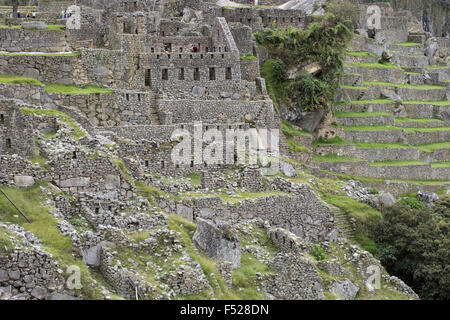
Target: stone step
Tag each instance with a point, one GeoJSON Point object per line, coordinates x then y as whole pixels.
{"type": "Point", "coordinates": [422, 172]}
{"type": "Point", "coordinates": [417, 37]}
{"type": "Point", "coordinates": [349, 59]}
{"type": "Point", "coordinates": [419, 123]}
{"type": "Point", "coordinates": [411, 136]}
{"type": "Point", "coordinates": [377, 72]}
{"type": "Point", "coordinates": [352, 79]}
{"type": "Point", "coordinates": [406, 50]}
{"type": "Point", "coordinates": [365, 120]}
{"type": "Point", "coordinates": [356, 93]}
{"type": "Point", "coordinates": [407, 92]}
{"type": "Point", "coordinates": [411, 61]}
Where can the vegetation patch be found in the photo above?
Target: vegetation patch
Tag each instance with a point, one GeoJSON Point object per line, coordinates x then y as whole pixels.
{"type": "Point", "coordinates": [15, 79]}
{"type": "Point", "coordinates": [73, 89]}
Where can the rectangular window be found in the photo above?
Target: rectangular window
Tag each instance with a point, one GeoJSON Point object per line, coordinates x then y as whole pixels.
{"type": "Point", "coordinates": [2, 119]}
{"type": "Point", "coordinates": [165, 74]}
{"type": "Point", "coordinates": [228, 74]}
{"type": "Point", "coordinates": [181, 74]}
{"type": "Point", "coordinates": [148, 77]}
{"type": "Point", "coordinates": [8, 143]}
{"type": "Point", "coordinates": [212, 73]}
{"type": "Point", "coordinates": [196, 74]}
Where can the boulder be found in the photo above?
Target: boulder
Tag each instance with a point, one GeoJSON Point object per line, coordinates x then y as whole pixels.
{"type": "Point", "coordinates": [387, 199]}
{"type": "Point", "coordinates": [389, 94]}
{"type": "Point", "coordinates": [198, 91]}
{"type": "Point", "coordinates": [3, 275]}
{"type": "Point", "coordinates": [446, 116]}
{"type": "Point", "coordinates": [427, 197]}
{"type": "Point", "coordinates": [431, 47]}
{"type": "Point", "coordinates": [344, 290]}
{"type": "Point", "coordinates": [287, 169]}
{"type": "Point", "coordinates": [219, 241]}
{"type": "Point", "coordinates": [23, 181]}
{"type": "Point", "coordinates": [92, 256]}
{"type": "Point", "coordinates": [39, 293]}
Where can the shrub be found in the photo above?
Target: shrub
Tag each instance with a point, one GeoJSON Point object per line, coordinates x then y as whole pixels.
{"type": "Point", "coordinates": [279, 70]}
{"type": "Point", "coordinates": [318, 252]}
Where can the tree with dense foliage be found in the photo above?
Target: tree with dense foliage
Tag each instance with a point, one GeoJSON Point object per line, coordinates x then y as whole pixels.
{"type": "Point", "coordinates": [323, 43]}
{"type": "Point", "coordinates": [414, 244]}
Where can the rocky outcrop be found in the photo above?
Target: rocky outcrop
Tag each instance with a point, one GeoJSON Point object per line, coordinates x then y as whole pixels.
{"type": "Point", "coordinates": [219, 241]}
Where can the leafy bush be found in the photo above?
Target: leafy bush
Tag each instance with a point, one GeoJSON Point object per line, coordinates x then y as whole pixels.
{"type": "Point", "coordinates": [318, 252]}
{"type": "Point", "coordinates": [413, 203]}
{"type": "Point", "coordinates": [279, 70]}
{"type": "Point", "coordinates": [310, 93]}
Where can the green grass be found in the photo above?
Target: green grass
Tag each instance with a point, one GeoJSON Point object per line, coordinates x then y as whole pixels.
{"type": "Point", "coordinates": [374, 145]}
{"type": "Point", "coordinates": [376, 101]}
{"type": "Point", "coordinates": [412, 130]}
{"type": "Point", "coordinates": [39, 159]}
{"type": "Point", "coordinates": [77, 133]}
{"type": "Point", "coordinates": [396, 163]}
{"type": "Point", "coordinates": [52, 27]}
{"type": "Point", "coordinates": [374, 65]}
{"type": "Point", "coordinates": [15, 79]}
{"type": "Point", "coordinates": [294, 146]}
{"type": "Point", "coordinates": [359, 114]}
{"type": "Point", "coordinates": [369, 128]}
{"type": "Point", "coordinates": [195, 178]}
{"type": "Point", "coordinates": [433, 146]}
{"type": "Point", "coordinates": [438, 67]}
{"type": "Point", "coordinates": [334, 158]}
{"type": "Point", "coordinates": [289, 130]}
{"type": "Point", "coordinates": [421, 120]}
{"type": "Point", "coordinates": [43, 225]}
{"type": "Point", "coordinates": [360, 54]}
{"type": "Point", "coordinates": [435, 103]}
{"type": "Point", "coordinates": [336, 141]}
{"type": "Point", "coordinates": [406, 86]}
{"type": "Point", "coordinates": [73, 89]}
{"type": "Point", "coordinates": [353, 87]}
{"type": "Point", "coordinates": [440, 164]}
{"type": "Point", "coordinates": [408, 44]}
{"type": "Point", "coordinates": [248, 57]}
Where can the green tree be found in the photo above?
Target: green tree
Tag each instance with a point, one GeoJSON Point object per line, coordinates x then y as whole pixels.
{"type": "Point", "coordinates": [414, 244]}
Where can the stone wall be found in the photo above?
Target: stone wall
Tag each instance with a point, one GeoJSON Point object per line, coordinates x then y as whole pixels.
{"type": "Point", "coordinates": [16, 132]}
{"type": "Point", "coordinates": [49, 69]}
{"type": "Point", "coordinates": [19, 40]}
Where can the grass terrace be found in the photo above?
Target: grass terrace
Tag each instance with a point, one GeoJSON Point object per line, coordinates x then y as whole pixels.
{"type": "Point", "coordinates": [15, 79]}
{"type": "Point", "coordinates": [353, 87]}
{"type": "Point", "coordinates": [334, 158]}
{"type": "Point", "coordinates": [406, 86]}
{"type": "Point", "coordinates": [440, 164]}
{"type": "Point", "coordinates": [368, 128]}
{"type": "Point", "coordinates": [412, 130]}
{"type": "Point", "coordinates": [361, 54]}
{"type": "Point", "coordinates": [73, 89]}
{"type": "Point", "coordinates": [442, 103]}
{"type": "Point", "coordinates": [408, 44]}
{"type": "Point", "coordinates": [422, 120]}
{"type": "Point", "coordinates": [396, 163]}
{"type": "Point", "coordinates": [360, 114]}
{"type": "Point", "coordinates": [374, 65]}
{"type": "Point", "coordinates": [433, 146]}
